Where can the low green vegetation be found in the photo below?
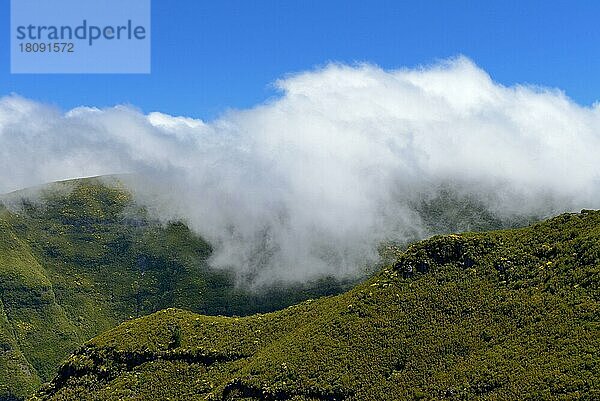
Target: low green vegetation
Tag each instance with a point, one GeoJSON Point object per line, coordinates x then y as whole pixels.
{"type": "Point", "coordinates": [77, 258]}
{"type": "Point", "coordinates": [503, 315]}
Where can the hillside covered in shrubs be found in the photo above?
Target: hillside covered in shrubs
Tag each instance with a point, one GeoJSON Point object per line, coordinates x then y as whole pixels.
{"type": "Point", "coordinates": [79, 257]}
{"type": "Point", "coordinates": [500, 315]}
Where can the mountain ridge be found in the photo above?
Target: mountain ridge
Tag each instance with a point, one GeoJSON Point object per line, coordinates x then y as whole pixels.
{"type": "Point", "coordinates": [510, 314]}
{"type": "Point", "coordinates": [79, 257]}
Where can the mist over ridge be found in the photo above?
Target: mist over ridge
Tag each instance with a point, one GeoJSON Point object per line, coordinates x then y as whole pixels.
{"type": "Point", "coordinates": [312, 182]}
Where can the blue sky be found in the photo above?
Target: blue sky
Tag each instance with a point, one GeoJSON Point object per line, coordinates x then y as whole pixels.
{"type": "Point", "coordinates": [209, 56]}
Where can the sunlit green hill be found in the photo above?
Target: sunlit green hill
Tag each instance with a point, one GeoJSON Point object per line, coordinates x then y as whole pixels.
{"type": "Point", "coordinates": [503, 315]}
{"type": "Point", "coordinates": [79, 257]}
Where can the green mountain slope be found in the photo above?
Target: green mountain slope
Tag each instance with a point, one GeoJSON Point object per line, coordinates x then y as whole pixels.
{"type": "Point", "coordinates": [22, 273]}
{"type": "Point", "coordinates": [77, 258]}
{"type": "Point", "coordinates": [495, 316]}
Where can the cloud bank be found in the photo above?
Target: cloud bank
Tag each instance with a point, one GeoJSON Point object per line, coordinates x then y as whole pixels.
{"type": "Point", "coordinates": [311, 182]}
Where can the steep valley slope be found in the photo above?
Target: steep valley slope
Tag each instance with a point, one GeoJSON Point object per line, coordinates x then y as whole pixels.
{"type": "Point", "coordinates": [502, 315]}
{"type": "Point", "coordinates": [79, 257]}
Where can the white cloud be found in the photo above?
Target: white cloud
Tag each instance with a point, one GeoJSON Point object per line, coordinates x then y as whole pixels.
{"type": "Point", "coordinates": [311, 182]}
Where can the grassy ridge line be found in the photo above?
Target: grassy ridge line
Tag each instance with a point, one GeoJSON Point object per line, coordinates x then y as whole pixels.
{"type": "Point", "coordinates": [79, 257]}
{"type": "Point", "coordinates": [509, 314]}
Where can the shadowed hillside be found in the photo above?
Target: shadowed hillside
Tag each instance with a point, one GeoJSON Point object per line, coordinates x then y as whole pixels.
{"type": "Point", "coordinates": [501, 315]}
